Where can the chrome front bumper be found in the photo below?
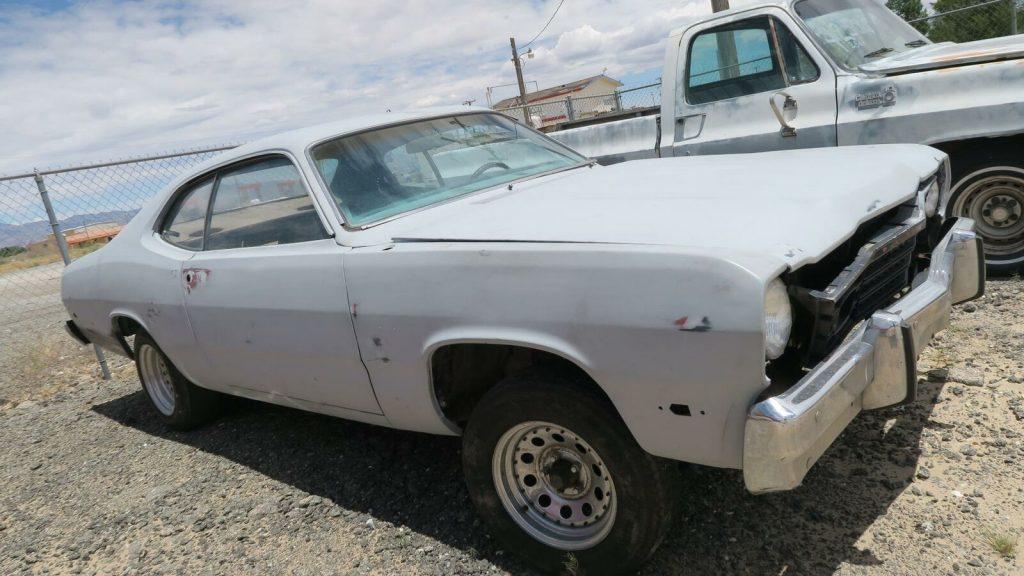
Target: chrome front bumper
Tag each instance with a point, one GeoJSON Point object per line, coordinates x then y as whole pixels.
{"type": "Point", "coordinates": [876, 367]}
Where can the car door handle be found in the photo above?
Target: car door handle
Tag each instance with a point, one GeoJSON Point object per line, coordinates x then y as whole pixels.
{"type": "Point", "coordinates": [788, 105]}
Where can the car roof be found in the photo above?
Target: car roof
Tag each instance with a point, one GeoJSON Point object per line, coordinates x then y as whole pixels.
{"type": "Point", "coordinates": [299, 138]}
{"type": "Point", "coordinates": [296, 140]}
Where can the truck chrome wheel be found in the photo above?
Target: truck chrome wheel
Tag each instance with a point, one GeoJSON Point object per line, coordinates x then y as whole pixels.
{"type": "Point", "coordinates": [994, 199]}
{"type": "Point", "coordinates": [554, 485]}
{"type": "Point", "coordinates": [156, 378]}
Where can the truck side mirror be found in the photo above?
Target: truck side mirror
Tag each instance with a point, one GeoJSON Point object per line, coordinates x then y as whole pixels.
{"type": "Point", "coordinates": [786, 115]}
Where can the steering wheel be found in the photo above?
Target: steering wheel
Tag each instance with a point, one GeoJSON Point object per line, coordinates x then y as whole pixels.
{"type": "Point", "coordinates": [486, 167]}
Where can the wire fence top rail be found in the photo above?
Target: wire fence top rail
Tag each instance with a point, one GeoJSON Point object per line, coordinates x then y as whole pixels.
{"type": "Point", "coordinates": [962, 9]}
{"type": "Point", "coordinates": [129, 160]}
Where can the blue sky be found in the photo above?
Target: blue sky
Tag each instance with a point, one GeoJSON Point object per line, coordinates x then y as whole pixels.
{"type": "Point", "coordinates": [90, 80]}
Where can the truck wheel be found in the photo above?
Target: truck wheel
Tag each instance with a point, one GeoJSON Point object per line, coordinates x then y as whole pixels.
{"type": "Point", "coordinates": [558, 477]}
{"type": "Point", "coordinates": [992, 193]}
{"type": "Point", "coordinates": [179, 403]}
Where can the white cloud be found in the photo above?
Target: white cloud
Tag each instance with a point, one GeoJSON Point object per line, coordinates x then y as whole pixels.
{"type": "Point", "coordinates": [110, 78]}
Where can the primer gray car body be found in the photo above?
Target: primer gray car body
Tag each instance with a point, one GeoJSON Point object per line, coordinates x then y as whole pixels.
{"type": "Point", "coordinates": [648, 276]}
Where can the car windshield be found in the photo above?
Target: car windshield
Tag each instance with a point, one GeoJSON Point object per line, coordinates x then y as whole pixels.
{"type": "Point", "coordinates": [858, 31]}
{"type": "Point", "coordinates": [382, 173]}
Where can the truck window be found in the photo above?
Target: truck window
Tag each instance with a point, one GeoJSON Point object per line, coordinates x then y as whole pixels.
{"type": "Point", "coordinates": [857, 31]}
{"type": "Point", "coordinates": [799, 67]}
{"type": "Point", "coordinates": [739, 59]}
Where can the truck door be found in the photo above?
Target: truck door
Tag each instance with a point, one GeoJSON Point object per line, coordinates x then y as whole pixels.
{"type": "Point", "coordinates": [750, 83]}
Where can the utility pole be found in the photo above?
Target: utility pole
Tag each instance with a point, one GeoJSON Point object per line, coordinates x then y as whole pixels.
{"type": "Point", "coordinates": [727, 59]}
{"type": "Point", "coordinates": [522, 85]}
{"type": "Point", "coordinates": [1013, 17]}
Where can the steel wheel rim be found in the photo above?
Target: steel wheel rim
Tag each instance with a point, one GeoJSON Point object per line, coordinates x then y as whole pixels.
{"type": "Point", "coordinates": [156, 379]}
{"type": "Point", "coordinates": [996, 204]}
{"type": "Point", "coordinates": [554, 485]}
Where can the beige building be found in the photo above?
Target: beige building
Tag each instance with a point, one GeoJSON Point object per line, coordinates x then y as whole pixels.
{"type": "Point", "coordinates": [548, 107]}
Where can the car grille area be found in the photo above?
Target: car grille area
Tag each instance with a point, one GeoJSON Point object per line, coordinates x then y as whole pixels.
{"type": "Point", "coordinates": [882, 269]}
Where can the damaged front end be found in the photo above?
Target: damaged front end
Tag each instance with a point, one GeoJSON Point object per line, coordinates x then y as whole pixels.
{"type": "Point", "coordinates": [861, 318]}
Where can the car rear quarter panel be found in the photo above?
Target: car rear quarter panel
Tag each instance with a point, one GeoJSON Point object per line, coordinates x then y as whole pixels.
{"type": "Point", "coordinates": [139, 277]}
{"type": "Point", "coordinates": [652, 326]}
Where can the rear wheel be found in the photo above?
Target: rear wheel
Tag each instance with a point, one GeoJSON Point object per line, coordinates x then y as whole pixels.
{"type": "Point", "coordinates": [991, 192]}
{"type": "Point", "coordinates": [558, 477]}
{"type": "Point", "coordinates": [178, 402]}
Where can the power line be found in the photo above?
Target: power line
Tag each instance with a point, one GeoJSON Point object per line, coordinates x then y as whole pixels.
{"type": "Point", "coordinates": [557, 8]}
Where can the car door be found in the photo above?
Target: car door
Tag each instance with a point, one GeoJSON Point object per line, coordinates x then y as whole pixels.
{"type": "Point", "coordinates": [266, 296]}
{"type": "Point", "coordinates": [751, 84]}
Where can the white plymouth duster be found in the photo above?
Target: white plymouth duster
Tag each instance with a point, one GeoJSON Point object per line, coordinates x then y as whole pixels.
{"type": "Point", "coordinates": [454, 272]}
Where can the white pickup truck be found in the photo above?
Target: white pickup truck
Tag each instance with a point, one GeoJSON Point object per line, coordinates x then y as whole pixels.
{"type": "Point", "coordinates": [810, 73]}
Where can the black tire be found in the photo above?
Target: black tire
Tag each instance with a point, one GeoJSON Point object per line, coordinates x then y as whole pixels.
{"type": "Point", "coordinates": [978, 179]}
{"type": "Point", "coordinates": [645, 487]}
{"type": "Point", "coordinates": [191, 406]}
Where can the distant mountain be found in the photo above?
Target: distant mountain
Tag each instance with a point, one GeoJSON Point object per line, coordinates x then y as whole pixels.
{"type": "Point", "coordinates": [24, 234]}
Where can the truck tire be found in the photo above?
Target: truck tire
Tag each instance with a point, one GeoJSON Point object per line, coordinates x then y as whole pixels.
{"type": "Point", "coordinates": [180, 404]}
{"type": "Point", "coordinates": [558, 478]}
{"type": "Point", "coordinates": [991, 192]}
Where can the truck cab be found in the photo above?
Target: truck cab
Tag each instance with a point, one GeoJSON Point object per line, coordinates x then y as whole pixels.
{"type": "Point", "coordinates": [792, 74]}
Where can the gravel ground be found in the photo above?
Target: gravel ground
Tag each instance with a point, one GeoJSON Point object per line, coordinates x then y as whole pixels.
{"type": "Point", "coordinates": [90, 484]}
{"type": "Point", "coordinates": [32, 340]}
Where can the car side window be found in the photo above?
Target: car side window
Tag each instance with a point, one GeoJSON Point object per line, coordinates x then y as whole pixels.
{"type": "Point", "coordinates": [186, 221]}
{"type": "Point", "coordinates": [262, 203]}
{"type": "Point", "coordinates": [739, 59]}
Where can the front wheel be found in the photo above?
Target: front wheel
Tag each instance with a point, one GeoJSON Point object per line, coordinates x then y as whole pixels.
{"type": "Point", "coordinates": [558, 478]}
{"type": "Point", "coordinates": [992, 194]}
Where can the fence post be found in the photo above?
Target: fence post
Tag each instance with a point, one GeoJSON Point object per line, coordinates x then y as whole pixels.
{"type": "Point", "coordinates": [618, 101]}
{"type": "Point", "coordinates": [62, 246]}
{"type": "Point", "coordinates": [570, 111]}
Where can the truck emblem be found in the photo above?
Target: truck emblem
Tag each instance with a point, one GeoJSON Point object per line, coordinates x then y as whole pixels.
{"type": "Point", "coordinates": [869, 100]}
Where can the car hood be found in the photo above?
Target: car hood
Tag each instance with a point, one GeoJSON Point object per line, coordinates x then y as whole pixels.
{"type": "Point", "coordinates": [947, 54]}
{"type": "Point", "coordinates": [795, 206]}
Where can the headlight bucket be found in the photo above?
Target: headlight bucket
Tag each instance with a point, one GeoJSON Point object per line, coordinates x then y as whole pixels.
{"type": "Point", "coordinates": [778, 319]}
{"type": "Point", "coordinates": [931, 194]}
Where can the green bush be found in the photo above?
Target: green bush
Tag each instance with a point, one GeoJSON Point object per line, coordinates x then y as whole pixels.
{"type": "Point", "coordinates": [983, 22]}
{"type": "Point", "coordinates": [8, 251]}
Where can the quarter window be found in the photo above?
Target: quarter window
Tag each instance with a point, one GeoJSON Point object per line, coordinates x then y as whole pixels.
{"type": "Point", "coordinates": [261, 204]}
{"type": "Point", "coordinates": [740, 59]}
{"type": "Point", "coordinates": [799, 66]}
{"type": "Point", "coordinates": [187, 219]}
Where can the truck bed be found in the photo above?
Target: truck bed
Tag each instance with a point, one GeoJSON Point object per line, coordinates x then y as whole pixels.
{"type": "Point", "coordinates": [613, 142]}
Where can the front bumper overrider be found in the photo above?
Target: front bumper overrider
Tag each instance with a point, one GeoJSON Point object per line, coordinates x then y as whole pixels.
{"type": "Point", "coordinates": [875, 367]}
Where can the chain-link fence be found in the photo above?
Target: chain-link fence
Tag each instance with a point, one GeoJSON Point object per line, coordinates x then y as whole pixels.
{"type": "Point", "coordinates": [49, 217]}
{"type": "Point", "coordinates": [546, 115]}
{"type": "Point", "coordinates": [967, 20]}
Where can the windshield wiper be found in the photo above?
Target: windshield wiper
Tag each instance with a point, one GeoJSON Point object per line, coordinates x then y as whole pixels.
{"type": "Point", "coordinates": [915, 43]}
{"type": "Point", "coordinates": [879, 52]}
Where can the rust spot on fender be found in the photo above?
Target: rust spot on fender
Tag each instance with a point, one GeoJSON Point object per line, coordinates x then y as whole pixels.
{"type": "Point", "coordinates": [973, 54]}
{"type": "Point", "coordinates": [681, 325]}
